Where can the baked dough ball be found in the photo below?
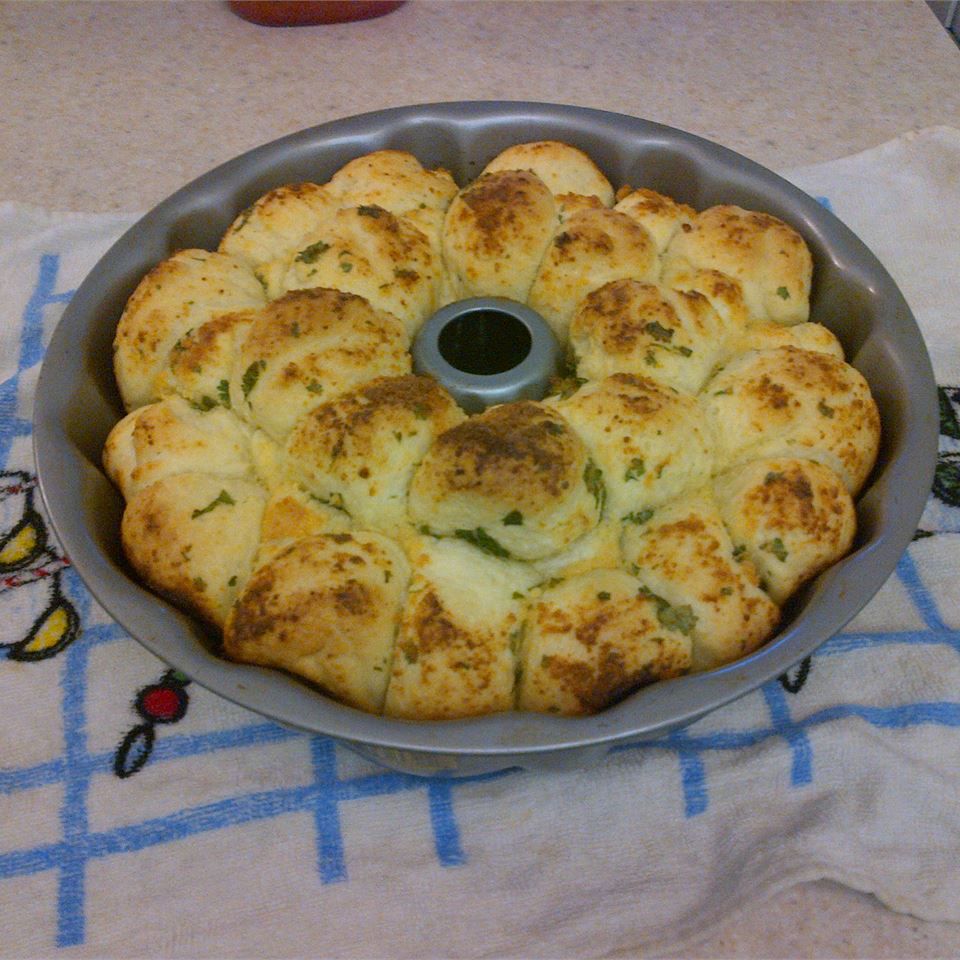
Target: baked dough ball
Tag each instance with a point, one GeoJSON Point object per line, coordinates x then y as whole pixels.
{"type": "Point", "coordinates": [686, 561]}
{"type": "Point", "coordinates": [394, 180]}
{"type": "Point", "coordinates": [720, 291]}
{"type": "Point", "coordinates": [200, 363]}
{"type": "Point", "coordinates": [594, 639]}
{"type": "Point", "coordinates": [192, 537]}
{"type": "Point", "coordinates": [178, 295]}
{"type": "Point", "coordinates": [793, 517]}
{"type": "Point", "coordinates": [456, 650]}
{"type": "Point", "coordinates": [326, 609]}
{"type": "Point", "coordinates": [309, 346]}
{"type": "Point", "coordinates": [268, 233]}
{"type": "Point", "coordinates": [293, 514]}
{"type": "Point", "coordinates": [591, 248]}
{"type": "Point", "coordinates": [171, 437]}
{"type": "Point", "coordinates": [563, 168]}
{"type": "Point", "coordinates": [766, 257]}
{"type": "Point", "coordinates": [515, 480]}
{"type": "Point", "coordinates": [370, 252]}
{"type": "Point", "coordinates": [360, 449]}
{"type": "Point", "coordinates": [660, 216]}
{"type": "Point", "coordinates": [649, 442]}
{"type": "Point", "coordinates": [794, 403]}
{"type": "Point", "coordinates": [627, 326]}
{"type": "Point", "coordinates": [806, 336]}
{"type": "Point", "coordinates": [495, 235]}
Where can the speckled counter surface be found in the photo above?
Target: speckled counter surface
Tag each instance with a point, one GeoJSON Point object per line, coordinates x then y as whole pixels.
{"type": "Point", "coordinates": [113, 106]}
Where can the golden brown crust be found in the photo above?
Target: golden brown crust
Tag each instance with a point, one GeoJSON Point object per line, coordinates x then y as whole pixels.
{"type": "Point", "coordinates": [593, 640]}
{"type": "Point", "coordinates": [495, 235]}
{"type": "Point", "coordinates": [326, 609]}
{"type": "Point", "coordinates": [309, 346]}
{"type": "Point", "coordinates": [514, 474]}
{"type": "Point", "coordinates": [590, 249]}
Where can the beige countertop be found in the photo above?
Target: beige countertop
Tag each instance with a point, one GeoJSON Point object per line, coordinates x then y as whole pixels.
{"type": "Point", "coordinates": [112, 106]}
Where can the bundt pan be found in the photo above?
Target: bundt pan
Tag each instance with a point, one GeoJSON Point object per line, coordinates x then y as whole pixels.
{"type": "Point", "coordinates": [77, 404]}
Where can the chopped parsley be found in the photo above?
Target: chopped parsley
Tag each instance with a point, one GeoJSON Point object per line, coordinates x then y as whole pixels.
{"type": "Point", "coordinates": [825, 410]}
{"type": "Point", "coordinates": [772, 477]}
{"type": "Point", "coordinates": [483, 541]}
{"type": "Point", "coordinates": [776, 547]}
{"type": "Point", "coordinates": [421, 411]}
{"type": "Point", "coordinates": [723, 393]}
{"type": "Point", "coordinates": [403, 273]}
{"type": "Point", "coordinates": [639, 517]}
{"type": "Point", "coordinates": [603, 595]}
{"type": "Point", "coordinates": [250, 377]}
{"type": "Point", "coordinates": [783, 293]}
{"type": "Point", "coordinates": [223, 393]}
{"type": "Point", "coordinates": [636, 469]}
{"type": "Point", "coordinates": [198, 582]}
{"type": "Point", "coordinates": [681, 618]}
{"type": "Point", "coordinates": [513, 519]}
{"type": "Point", "coordinates": [726, 591]}
{"type": "Point", "coordinates": [517, 595]}
{"type": "Point", "coordinates": [739, 551]}
{"type": "Point", "coordinates": [311, 253]}
{"type": "Point", "coordinates": [346, 266]}
{"type": "Point", "coordinates": [222, 498]}
{"type": "Point", "coordinates": [315, 386]}
{"type": "Point", "coordinates": [232, 582]}
{"type": "Point", "coordinates": [658, 331]}
{"type": "Point", "coordinates": [204, 404]}
{"type": "Point", "coordinates": [370, 211]}
{"type": "Point", "coordinates": [593, 479]}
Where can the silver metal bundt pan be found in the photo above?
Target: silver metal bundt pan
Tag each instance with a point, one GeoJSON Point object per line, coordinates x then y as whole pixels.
{"type": "Point", "coordinates": [77, 403]}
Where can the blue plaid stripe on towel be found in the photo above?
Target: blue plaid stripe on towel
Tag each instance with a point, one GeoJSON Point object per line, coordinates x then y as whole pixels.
{"type": "Point", "coordinates": [141, 815]}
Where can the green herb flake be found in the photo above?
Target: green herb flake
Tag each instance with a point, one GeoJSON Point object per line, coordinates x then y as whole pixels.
{"type": "Point", "coordinates": [311, 253]}
{"type": "Point", "coordinates": [603, 595]}
{"type": "Point", "coordinates": [410, 653]}
{"type": "Point", "coordinates": [223, 393]}
{"type": "Point", "coordinates": [398, 436]}
{"type": "Point", "coordinates": [199, 584]}
{"type": "Point", "coordinates": [370, 211]}
{"type": "Point", "coordinates": [346, 266]}
{"type": "Point", "coordinates": [404, 273]}
{"type": "Point", "coordinates": [261, 281]}
{"type": "Point", "coordinates": [639, 517]}
{"type": "Point", "coordinates": [295, 329]}
{"type": "Point", "coordinates": [593, 479]}
{"type": "Point", "coordinates": [783, 293]}
{"type": "Point", "coordinates": [650, 360]}
{"type": "Point", "coordinates": [425, 530]}
{"type": "Point", "coordinates": [552, 427]}
{"type": "Point", "coordinates": [772, 477]}
{"type": "Point", "coordinates": [204, 404]}
{"type": "Point", "coordinates": [825, 410]}
{"type": "Point", "coordinates": [250, 377]}
{"type": "Point", "coordinates": [315, 386]}
{"type": "Point", "coordinates": [726, 591]}
{"type": "Point", "coordinates": [776, 547]}
{"type": "Point", "coordinates": [513, 519]}
{"type": "Point", "coordinates": [221, 498]}
{"type": "Point", "coordinates": [739, 551]}
{"type": "Point", "coordinates": [684, 351]}
{"type": "Point", "coordinates": [658, 331]}
{"type": "Point", "coordinates": [681, 618]}
{"type": "Point", "coordinates": [232, 582]}
{"type": "Point", "coordinates": [723, 393]}
{"type": "Point", "coordinates": [636, 469]}
{"type": "Point", "coordinates": [483, 541]}
{"type": "Point", "coordinates": [387, 574]}
{"type": "Point", "coordinates": [517, 595]}
{"type": "Point", "coordinates": [421, 411]}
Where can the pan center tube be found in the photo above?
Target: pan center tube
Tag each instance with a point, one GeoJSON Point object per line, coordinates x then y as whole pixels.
{"type": "Point", "coordinates": [488, 350]}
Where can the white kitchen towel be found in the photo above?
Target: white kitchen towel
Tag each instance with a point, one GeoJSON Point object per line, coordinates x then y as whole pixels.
{"type": "Point", "coordinates": [142, 816]}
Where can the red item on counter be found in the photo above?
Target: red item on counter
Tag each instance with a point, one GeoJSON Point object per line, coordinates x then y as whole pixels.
{"type": "Point", "coordinates": [300, 13]}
